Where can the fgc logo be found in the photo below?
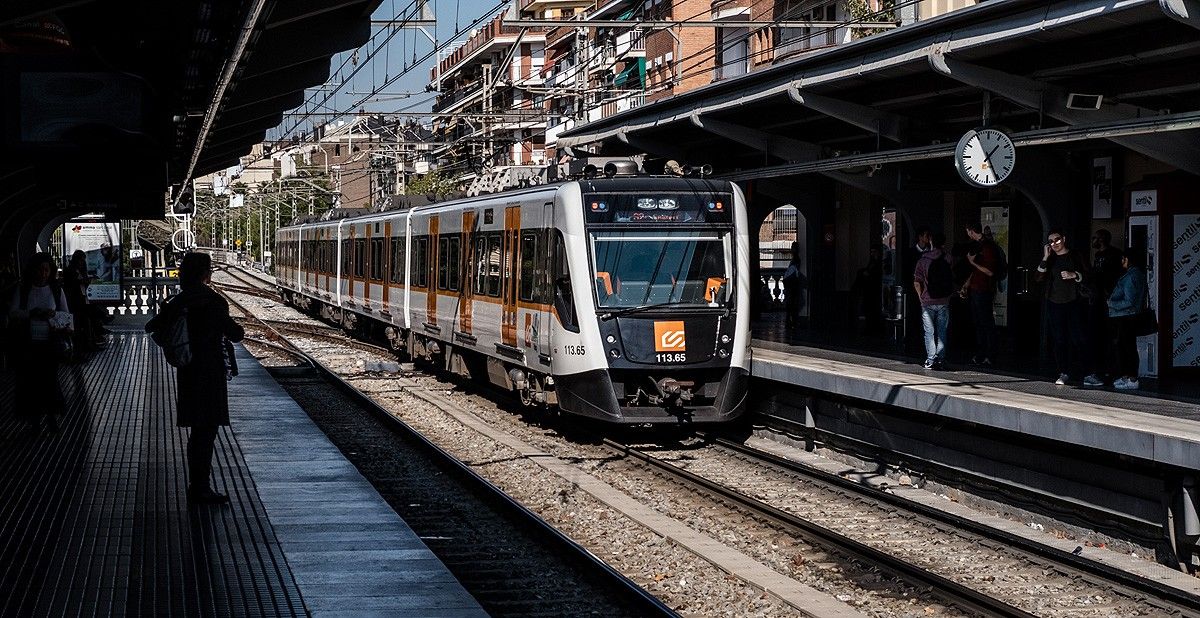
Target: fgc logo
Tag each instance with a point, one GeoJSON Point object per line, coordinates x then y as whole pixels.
{"type": "Point", "coordinates": [669, 337]}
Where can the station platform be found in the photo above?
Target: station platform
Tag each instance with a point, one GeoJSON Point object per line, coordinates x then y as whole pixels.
{"type": "Point", "coordinates": [1163, 429]}
{"type": "Point", "coordinates": [95, 521]}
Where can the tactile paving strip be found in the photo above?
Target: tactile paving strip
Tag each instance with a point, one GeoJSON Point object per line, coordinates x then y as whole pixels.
{"type": "Point", "coordinates": [94, 519]}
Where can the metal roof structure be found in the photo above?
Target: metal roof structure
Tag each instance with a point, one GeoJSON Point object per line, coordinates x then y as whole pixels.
{"type": "Point", "coordinates": [107, 104]}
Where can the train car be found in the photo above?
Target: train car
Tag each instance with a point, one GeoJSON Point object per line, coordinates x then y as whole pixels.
{"type": "Point", "coordinates": [624, 299]}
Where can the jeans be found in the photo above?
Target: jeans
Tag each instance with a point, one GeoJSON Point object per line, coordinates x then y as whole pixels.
{"type": "Point", "coordinates": [985, 323]}
{"type": "Point", "coordinates": [1128, 361]}
{"type": "Point", "coordinates": [1067, 338]}
{"type": "Point", "coordinates": [936, 321]}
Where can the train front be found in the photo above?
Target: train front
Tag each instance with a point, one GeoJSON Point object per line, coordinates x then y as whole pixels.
{"type": "Point", "coordinates": [668, 264]}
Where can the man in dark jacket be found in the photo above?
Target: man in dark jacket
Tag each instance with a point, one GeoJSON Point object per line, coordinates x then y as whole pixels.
{"type": "Point", "coordinates": [980, 292]}
{"type": "Point", "coordinates": [203, 402]}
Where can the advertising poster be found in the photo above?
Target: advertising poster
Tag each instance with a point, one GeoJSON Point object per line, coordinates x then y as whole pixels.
{"type": "Point", "coordinates": [1185, 296]}
{"type": "Point", "coordinates": [1102, 188]}
{"type": "Point", "coordinates": [101, 243]}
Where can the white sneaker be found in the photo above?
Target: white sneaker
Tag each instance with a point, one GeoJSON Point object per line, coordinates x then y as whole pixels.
{"type": "Point", "coordinates": [1062, 379]}
{"type": "Point", "coordinates": [1127, 385]}
{"type": "Point", "coordinates": [1093, 380]}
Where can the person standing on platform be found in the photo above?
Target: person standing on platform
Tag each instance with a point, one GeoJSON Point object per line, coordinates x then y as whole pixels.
{"type": "Point", "coordinates": [794, 286]}
{"type": "Point", "coordinates": [1062, 270]}
{"type": "Point", "coordinates": [933, 279]}
{"type": "Point", "coordinates": [980, 293]}
{"type": "Point", "coordinates": [203, 401]}
{"type": "Point", "coordinates": [37, 343]}
{"type": "Point", "coordinates": [1127, 300]}
{"type": "Point", "coordinates": [75, 283]}
{"type": "Point", "coordinates": [1106, 269]}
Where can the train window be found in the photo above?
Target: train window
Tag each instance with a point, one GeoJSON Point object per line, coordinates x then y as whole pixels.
{"type": "Point", "coordinates": [545, 273]}
{"type": "Point", "coordinates": [452, 268]}
{"type": "Point", "coordinates": [481, 264]}
{"type": "Point", "coordinates": [377, 259]}
{"type": "Point", "coordinates": [564, 301]}
{"type": "Point", "coordinates": [443, 278]}
{"type": "Point", "coordinates": [397, 260]}
{"type": "Point", "coordinates": [529, 265]}
{"type": "Point", "coordinates": [420, 265]}
{"type": "Point", "coordinates": [494, 264]}
{"type": "Point", "coordinates": [360, 257]}
{"type": "Point", "coordinates": [347, 257]}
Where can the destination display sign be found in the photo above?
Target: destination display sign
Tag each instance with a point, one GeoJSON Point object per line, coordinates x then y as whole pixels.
{"type": "Point", "coordinates": [658, 208]}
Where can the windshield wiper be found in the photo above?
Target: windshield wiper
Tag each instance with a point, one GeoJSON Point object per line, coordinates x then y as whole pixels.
{"type": "Point", "coordinates": [628, 310]}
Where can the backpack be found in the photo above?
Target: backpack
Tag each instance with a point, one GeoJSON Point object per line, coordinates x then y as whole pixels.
{"type": "Point", "coordinates": [939, 279]}
{"type": "Point", "coordinates": [1001, 271]}
{"type": "Point", "coordinates": [172, 337]}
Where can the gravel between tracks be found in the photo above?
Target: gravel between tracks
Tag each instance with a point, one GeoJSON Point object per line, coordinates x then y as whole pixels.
{"type": "Point", "coordinates": [683, 580]}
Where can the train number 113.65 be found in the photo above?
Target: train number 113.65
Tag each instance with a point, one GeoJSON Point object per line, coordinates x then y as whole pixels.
{"type": "Point", "coordinates": [677, 357]}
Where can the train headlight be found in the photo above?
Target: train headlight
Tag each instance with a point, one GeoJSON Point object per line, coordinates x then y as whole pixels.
{"type": "Point", "coordinates": [725, 339]}
{"type": "Point", "coordinates": [610, 339]}
{"type": "Point", "coordinates": [722, 353]}
{"type": "Point", "coordinates": [614, 353]}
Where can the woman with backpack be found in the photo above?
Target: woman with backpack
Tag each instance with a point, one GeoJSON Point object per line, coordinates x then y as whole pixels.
{"type": "Point", "coordinates": [203, 401]}
{"type": "Point", "coordinates": [38, 337]}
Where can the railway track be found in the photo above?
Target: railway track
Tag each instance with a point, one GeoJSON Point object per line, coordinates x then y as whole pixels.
{"type": "Point", "coordinates": [992, 578]}
{"type": "Point", "coordinates": [979, 587]}
{"type": "Point", "coordinates": [511, 560]}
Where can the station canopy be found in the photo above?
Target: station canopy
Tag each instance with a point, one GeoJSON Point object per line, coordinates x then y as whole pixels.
{"type": "Point", "coordinates": [105, 104]}
{"type": "Point", "coordinates": [1079, 74]}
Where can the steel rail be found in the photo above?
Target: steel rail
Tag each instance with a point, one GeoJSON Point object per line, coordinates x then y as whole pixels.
{"type": "Point", "coordinates": [646, 602]}
{"type": "Point", "coordinates": [944, 588]}
{"type": "Point", "coordinates": [1123, 582]}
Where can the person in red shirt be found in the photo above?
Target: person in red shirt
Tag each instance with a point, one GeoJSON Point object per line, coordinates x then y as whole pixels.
{"type": "Point", "coordinates": [980, 292]}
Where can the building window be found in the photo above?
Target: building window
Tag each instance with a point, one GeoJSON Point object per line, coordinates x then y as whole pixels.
{"type": "Point", "coordinates": [733, 51]}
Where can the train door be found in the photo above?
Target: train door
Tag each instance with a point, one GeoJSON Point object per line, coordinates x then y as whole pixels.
{"type": "Point", "coordinates": [535, 260]}
{"type": "Point", "coordinates": [508, 297]}
{"type": "Point", "coordinates": [339, 264]}
{"type": "Point", "coordinates": [1143, 237]}
{"type": "Point", "coordinates": [386, 268]}
{"type": "Point", "coordinates": [466, 289]}
{"type": "Point", "coordinates": [431, 312]}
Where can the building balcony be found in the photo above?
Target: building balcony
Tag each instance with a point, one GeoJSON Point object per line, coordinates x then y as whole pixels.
{"type": "Point", "coordinates": [458, 97]}
{"type": "Point", "coordinates": [494, 32]}
{"type": "Point", "coordinates": [536, 6]}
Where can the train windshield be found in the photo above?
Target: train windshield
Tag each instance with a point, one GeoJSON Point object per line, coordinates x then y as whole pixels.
{"type": "Point", "coordinates": [642, 267]}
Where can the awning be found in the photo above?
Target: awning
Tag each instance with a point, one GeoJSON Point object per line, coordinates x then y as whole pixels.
{"type": "Point", "coordinates": [633, 71]}
{"type": "Point", "coordinates": [548, 63]}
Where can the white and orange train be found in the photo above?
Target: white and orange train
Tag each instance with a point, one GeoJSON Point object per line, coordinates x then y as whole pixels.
{"type": "Point", "coordinates": [624, 299]}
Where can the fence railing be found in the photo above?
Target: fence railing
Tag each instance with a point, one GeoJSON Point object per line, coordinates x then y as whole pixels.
{"type": "Point", "coordinates": [142, 294]}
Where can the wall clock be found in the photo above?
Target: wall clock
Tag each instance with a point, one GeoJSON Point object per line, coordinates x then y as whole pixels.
{"type": "Point", "coordinates": [985, 157]}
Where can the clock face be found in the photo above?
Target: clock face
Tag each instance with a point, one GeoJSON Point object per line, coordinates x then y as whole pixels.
{"type": "Point", "coordinates": [985, 157]}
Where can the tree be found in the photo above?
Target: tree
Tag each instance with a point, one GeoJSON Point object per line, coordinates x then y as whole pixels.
{"type": "Point", "coordinates": [433, 183]}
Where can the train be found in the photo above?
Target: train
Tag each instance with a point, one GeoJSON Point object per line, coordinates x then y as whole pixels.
{"type": "Point", "coordinates": [623, 298]}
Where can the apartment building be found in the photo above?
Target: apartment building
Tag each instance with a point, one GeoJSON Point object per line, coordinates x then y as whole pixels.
{"type": "Point", "coordinates": [491, 108]}
{"type": "Point", "coordinates": [508, 92]}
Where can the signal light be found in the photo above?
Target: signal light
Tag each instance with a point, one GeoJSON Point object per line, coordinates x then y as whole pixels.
{"type": "Point", "coordinates": [599, 207]}
{"type": "Point", "coordinates": [716, 206]}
